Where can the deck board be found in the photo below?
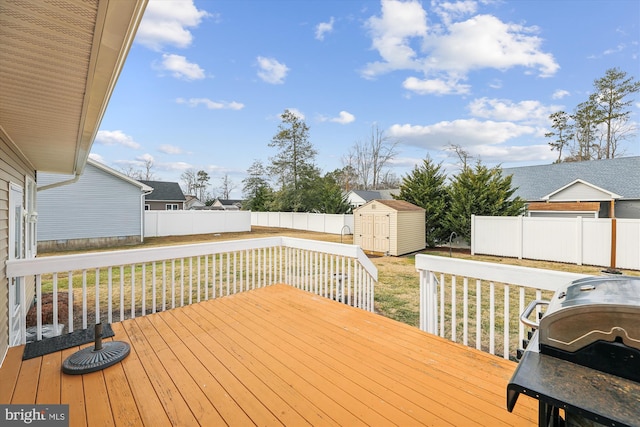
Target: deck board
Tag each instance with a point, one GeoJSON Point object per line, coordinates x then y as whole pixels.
{"type": "Point", "coordinates": [274, 356]}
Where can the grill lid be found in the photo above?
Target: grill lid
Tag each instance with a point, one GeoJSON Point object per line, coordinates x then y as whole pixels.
{"type": "Point", "coordinates": [593, 309]}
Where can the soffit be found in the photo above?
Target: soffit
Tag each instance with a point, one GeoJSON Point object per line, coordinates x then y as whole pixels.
{"type": "Point", "coordinates": [59, 60]}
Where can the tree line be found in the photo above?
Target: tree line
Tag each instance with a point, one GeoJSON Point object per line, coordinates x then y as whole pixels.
{"type": "Point", "coordinates": [599, 125]}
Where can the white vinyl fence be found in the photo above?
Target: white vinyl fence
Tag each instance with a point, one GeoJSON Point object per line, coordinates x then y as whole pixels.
{"type": "Point", "coordinates": [180, 223]}
{"type": "Point", "coordinates": [571, 240]}
{"type": "Point", "coordinates": [323, 223]}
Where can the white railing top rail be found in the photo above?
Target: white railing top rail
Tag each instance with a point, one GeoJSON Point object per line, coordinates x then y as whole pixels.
{"type": "Point", "coordinates": [49, 264]}
{"type": "Point", "coordinates": [515, 275]}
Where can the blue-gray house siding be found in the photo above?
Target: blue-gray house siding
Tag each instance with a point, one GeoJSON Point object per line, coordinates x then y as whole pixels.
{"type": "Point", "coordinates": [102, 208]}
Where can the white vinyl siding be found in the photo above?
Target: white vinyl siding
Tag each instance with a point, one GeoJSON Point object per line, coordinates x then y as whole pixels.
{"type": "Point", "coordinates": [580, 192]}
{"type": "Point", "coordinates": [98, 205]}
{"type": "Point", "coordinates": [12, 169]}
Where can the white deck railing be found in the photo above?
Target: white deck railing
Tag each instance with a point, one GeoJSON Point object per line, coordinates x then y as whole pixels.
{"type": "Point", "coordinates": [452, 307]}
{"type": "Point", "coordinates": [108, 286]}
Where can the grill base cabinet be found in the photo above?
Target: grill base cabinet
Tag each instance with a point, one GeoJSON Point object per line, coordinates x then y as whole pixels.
{"type": "Point", "coordinates": [389, 227]}
{"type": "Point", "coordinates": [584, 355]}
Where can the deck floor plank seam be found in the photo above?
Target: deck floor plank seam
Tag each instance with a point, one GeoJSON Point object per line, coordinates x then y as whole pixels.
{"type": "Point", "coordinates": [219, 397]}
{"type": "Point", "coordinates": [195, 339]}
{"type": "Point", "coordinates": [147, 401]}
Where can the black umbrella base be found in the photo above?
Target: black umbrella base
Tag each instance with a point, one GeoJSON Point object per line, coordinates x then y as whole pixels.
{"type": "Point", "coordinates": [90, 360]}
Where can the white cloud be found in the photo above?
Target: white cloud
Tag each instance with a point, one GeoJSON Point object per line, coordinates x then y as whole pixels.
{"type": "Point", "coordinates": [446, 53]}
{"type": "Point", "coordinates": [299, 114]}
{"type": "Point", "coordinates": [512, 153]}
{"type": "Point", "coordinates": [391, 34]}
{"type": "Point", "coordinates": [167, 22]}
{"type": "Point", "coordinates": [146, 157]}
{"type": "Point", "coordinates": [469, 132]}
{"type": "Point", "coordinates": [324, 28]}
{"type": "Point", "coordinates": [170, 149]}
{"type": "Point", "coordinates": [174, 166]}
{"type": "Point", "coordinates": [503, 109]}
{"type": "Point", "coordinates": [560, 93]}
{"type": "Point", "coordinates": [449, 11]}
{"type": "Point", "coordinates": [116, 137]}
{"type": "Point", "coordinates": [271, 71]}
{"type": "Point", "coordinates": [97, 157]}
{"type": "Point", "coordinates": [435, 86]}
{"type": "Point", "coordinates": [344, 117]}
{"type": "Point", "coordinates": [211, 105]}
{"type": "Point", "coordinates": [181, 68]}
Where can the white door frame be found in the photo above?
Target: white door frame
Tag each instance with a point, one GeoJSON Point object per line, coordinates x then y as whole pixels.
{"type": "Point", "coordinates": [17, 313]}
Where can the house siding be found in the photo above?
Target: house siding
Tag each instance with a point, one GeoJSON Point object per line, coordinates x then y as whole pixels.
{"type": "Point", "coordinates": [98, 206]}
{"type": "Point", "coordinates": [12, 169]}
{"type": "Point", "coordinates": [580, 192]}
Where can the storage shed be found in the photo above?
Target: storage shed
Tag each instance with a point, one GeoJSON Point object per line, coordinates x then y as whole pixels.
{"type": "Point", "coordinates": [391, 227]}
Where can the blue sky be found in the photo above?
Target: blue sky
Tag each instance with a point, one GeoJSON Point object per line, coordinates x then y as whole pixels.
{"type": "Point", "coordinates": [205, 81]}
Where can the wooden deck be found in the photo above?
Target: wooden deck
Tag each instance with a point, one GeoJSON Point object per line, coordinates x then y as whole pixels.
{"type": "Point", "coordinates": [274, 356]}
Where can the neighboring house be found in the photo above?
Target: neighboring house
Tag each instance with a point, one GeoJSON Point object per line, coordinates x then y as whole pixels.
{"type": "Point", "coordinates": [358, 198]}
{"type": "Point", "coordinates": [227, 204]}
{"type": "Point", "coordinates": [166, 196]}
{"type": "Point", "coordinates": [597, 188]}
{"type": "Point", "coordinates": [68, 214]}
{"type": "Point", "coordinates": [192, 202]}
{"type": "Point", "coordinates": [59, 64]}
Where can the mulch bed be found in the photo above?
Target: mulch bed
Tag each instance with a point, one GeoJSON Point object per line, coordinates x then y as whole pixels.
{"type": "Point", "coordinates": [47, 310]}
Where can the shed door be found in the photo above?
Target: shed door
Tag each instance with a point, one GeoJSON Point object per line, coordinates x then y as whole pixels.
{"type": "Point", "coordinates": [375, 232]}
{"type": "Point", "coordinates": [366, 224]}
{"type": "Point", "coordinates": [381, 233]}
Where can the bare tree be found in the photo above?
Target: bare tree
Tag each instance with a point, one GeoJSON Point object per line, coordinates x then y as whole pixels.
{"type": "Point", "coordinates": [227, 187]}
{"type": "Point", "coordinates": [462, 154]}
{"type": "Point", "coordinates": [369, 158]}
{"type": "Point", "coordinates": [148, 174]}
{"type": "Point", "coordinates": [189, 181]}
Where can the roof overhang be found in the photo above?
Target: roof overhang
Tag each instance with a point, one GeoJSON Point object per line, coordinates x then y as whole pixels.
{"type": "Point", "coordinates": [59, 62]}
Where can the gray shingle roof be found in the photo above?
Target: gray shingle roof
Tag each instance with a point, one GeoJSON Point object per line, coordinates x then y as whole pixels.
{"type": "Point", "coordinates": [620, 176]}
{"type": "Point", "coordinates": [164, 191]}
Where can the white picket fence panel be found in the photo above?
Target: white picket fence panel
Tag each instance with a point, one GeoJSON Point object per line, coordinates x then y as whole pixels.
{"type": "Point", "coordinates": [571, 240]}
{"type": "Point", "coordinates": [479, 303]}
{"type": "Point", "coordinates": [187, 222]}
{"type": "Point", "coordinates": [323, 223]}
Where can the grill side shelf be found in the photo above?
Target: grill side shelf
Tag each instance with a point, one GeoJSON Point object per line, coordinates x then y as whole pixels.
{"type": "Point", "coordinates": [598, 396]}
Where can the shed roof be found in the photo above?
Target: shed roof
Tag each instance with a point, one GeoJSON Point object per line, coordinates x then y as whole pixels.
{"type": "Point", "coordinates": [398, 205]}
{"type": "Point", "coordinates": [620, 176]}
{"type": "Point", "coordinates": [165, 191]}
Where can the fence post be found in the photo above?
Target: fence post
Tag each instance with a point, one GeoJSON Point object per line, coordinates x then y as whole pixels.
{"type": "Point", "coordinates": [520, 236]}
{"type": "Point", "coordinates": [473, 234]}
{"type": "Point", "coordinates": [579, 240]}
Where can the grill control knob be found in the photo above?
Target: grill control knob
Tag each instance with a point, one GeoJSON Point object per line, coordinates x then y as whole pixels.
{"type": "Point", "coordinates": [519, 353]}
{"type": "Point", "coordinates": [529, 334]}
{"type": "Point", "coordinates": [525, 343]}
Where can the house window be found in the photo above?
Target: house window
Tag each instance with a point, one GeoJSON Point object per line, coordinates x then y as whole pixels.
{"type": "Point", "coordinates": [147, 207]}
{"type": "Point", "coordinates": [172, 206]}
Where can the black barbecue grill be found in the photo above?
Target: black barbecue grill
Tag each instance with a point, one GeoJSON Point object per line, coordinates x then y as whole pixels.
{"type": "Point", "coordinates": [583, 360]}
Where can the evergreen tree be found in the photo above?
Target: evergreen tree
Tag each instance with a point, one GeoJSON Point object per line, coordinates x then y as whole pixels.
{"type": "Point", "coordinates": [611, 98]}
{"type": "Point", "coordinates": [328, 196]}
{"type": "Point", "coordinates": [480, 191]}
{"type": "Point", "coordinates": [425, 187]}
{"type": "Point", "coordinates": [293, 163]}
{"type": "Point", "coordinates": [257, 193]}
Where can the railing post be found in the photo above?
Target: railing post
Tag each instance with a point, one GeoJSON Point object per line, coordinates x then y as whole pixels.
{"type": "Point", "coordinates": [428, 302]}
